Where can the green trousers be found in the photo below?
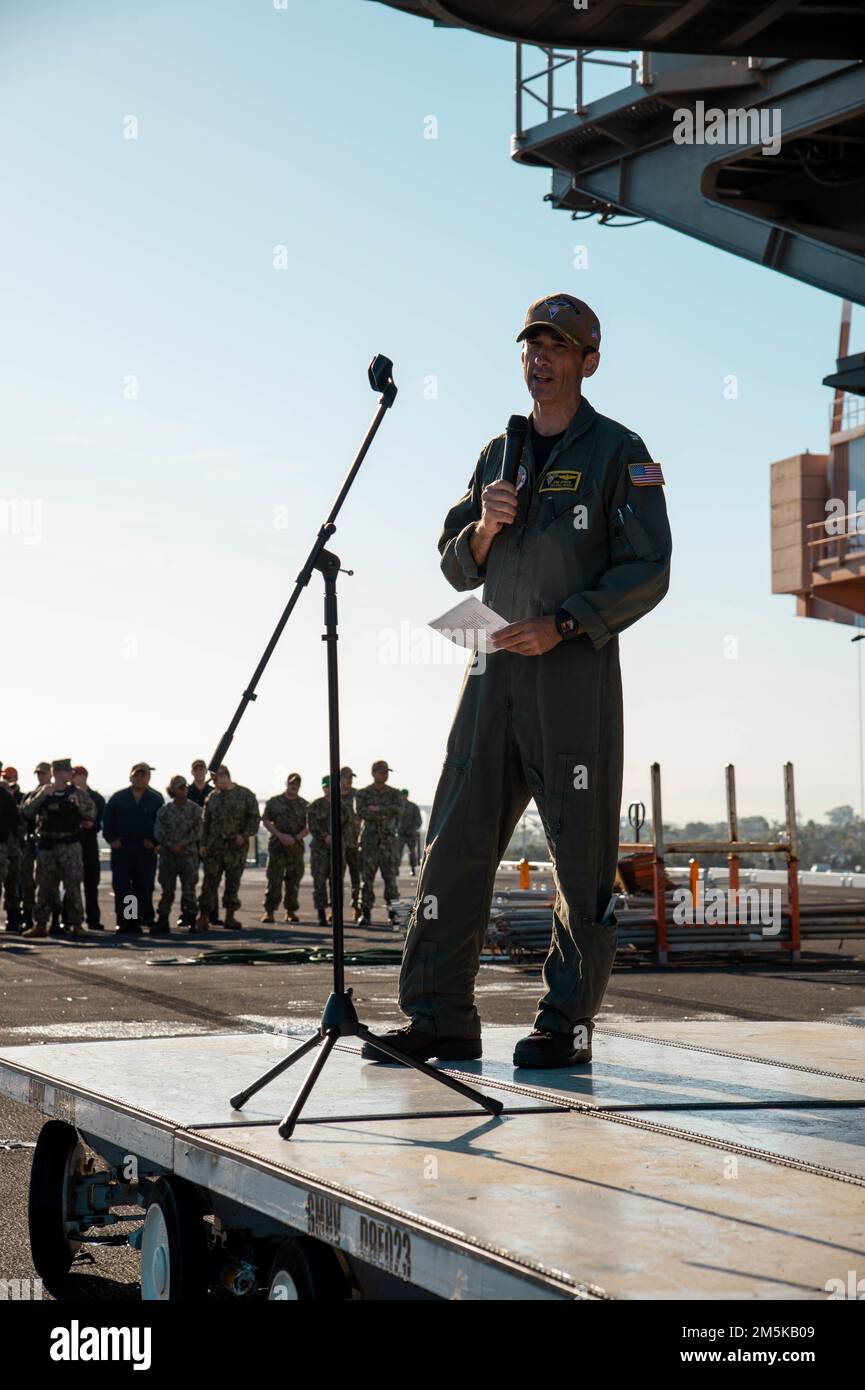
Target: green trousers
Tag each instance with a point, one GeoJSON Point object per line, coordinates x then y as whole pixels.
{"type": "Point", "coordinates": [547, 728]}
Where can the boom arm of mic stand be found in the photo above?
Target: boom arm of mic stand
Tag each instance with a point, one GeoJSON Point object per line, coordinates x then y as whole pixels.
{"type": "Point", "coordinates": [380, 376]}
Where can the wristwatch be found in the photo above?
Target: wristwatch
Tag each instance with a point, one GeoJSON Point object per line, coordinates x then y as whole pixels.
{"type": "Point", "coordinates": [566, 624]}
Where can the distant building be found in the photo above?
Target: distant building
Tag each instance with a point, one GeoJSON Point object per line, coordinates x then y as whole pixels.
{"type": "Point", "coordinates": [818, 507]}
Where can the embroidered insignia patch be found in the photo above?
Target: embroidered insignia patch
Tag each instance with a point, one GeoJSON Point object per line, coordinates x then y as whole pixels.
{"type": "Point", "coordinates": [646, 474]}
{"type": "Point", "coordinates": [521, 476]}
{"type": "Point", "coordinates": [560, 480]}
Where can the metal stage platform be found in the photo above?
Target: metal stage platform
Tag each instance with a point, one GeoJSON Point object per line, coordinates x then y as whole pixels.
{"type": "Point", "coordinates": [711, 1161]}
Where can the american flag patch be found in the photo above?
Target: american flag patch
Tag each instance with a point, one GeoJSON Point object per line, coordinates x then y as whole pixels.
{"type": "Point", "coordinates": [646, 474]}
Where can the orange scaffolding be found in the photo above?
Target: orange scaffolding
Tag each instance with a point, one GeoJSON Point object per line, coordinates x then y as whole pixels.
{"type": "Point", "coordinates": [732, 846]}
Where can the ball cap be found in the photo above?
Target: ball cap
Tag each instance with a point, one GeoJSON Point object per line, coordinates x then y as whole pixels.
{"type": "Point", "coordinates": [178, 780]}
{"type": "Point", "coordinates": [381, 763]}
{"type": "Point", "coordinates": [571, 318]}
{"type": "Point", "coordinates": [294, 777]}
{"type": "Point", "coordinates": [141, 767]}
{"type": "Point", "coordinates": [61, 765]}
{"type": "Point", "coordinates": [10, 774]}
{"type": "Point", "coordinates": [42, 767]}
{"type": "Point", "coordinates": [347, 772]}
{"type": "Point", "coordinates": [80, 770]}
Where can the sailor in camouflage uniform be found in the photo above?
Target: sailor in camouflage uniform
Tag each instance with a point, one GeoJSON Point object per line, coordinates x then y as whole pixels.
{"type": "Point", "coordinates": [28, 847]}
{"type": "Point", "coordinates": [178, 834]}
{"type": "Point", "coordinates": [230, 817]}
{"type": "Point", "coordinates": [9, 847]}
{"type": "Point", "coordinates": [350, 843]}
{"type": "Point", "coordinates": [58, 810]}
{"type": "Point", "coordinates": [318, 819]}
{"type": "Point", "coordinates": [285, 820]}
{"type": "Point", "coordinates": [409, 827]}
{"type": "Point", "coordinates": [380, 809]}
{"type": "Point", "coordinates": [10, 877]}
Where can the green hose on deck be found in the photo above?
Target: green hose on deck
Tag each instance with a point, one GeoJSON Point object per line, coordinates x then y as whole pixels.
{"type": "Point", "coordinates": [283, 955]}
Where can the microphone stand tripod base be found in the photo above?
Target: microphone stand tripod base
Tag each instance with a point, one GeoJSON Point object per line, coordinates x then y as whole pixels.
{"type": "Point", "coordinates": [340, 1020]}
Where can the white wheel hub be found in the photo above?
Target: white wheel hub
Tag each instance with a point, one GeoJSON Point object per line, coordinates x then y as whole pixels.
{"type": "Point", "coordinates": [155, 1257]}
{"type": "Point", "coordinates": [283, 1287]}
{"type": "Point", "coordinates": [77, 1163]}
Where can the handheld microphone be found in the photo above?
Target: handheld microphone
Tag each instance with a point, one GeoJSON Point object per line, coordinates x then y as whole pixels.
{"type": "Point", "coordinates": [515, 438]}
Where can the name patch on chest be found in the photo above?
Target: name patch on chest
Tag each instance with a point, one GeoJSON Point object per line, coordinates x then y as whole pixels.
{"type": "Point", "coordinates": [560, 480]}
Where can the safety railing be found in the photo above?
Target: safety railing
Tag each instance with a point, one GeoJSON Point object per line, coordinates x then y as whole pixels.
{"type": "Point", "coordinates": [851, 415]}
{"type": "Point", "coordinates": [830, 549]}
{"type": "Point", "coordinates": [562, 71]}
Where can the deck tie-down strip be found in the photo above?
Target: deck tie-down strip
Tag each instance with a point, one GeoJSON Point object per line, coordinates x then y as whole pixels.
{"type": "Point", "coordinates": [736, 1056]}
{"type": "Point", "coordinates": [584, 1107]}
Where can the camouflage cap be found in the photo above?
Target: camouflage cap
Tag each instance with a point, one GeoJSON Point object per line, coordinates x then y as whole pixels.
{"type": "Point", "coordinates": [197, 762]}
{"type": "Point", "coordinates": [141, 767]}
{"type": "Point", "coordinates": [61, 765]}
{"type": "Point", "coordinates": [571, 318]}
{"type": "Point", "coordinates": [381, 763]}
{"type": "Point", "coordinates": [42, 767]}
{"type": "Point", "coordinates": [178, 780]}
{"type": "Point", "coordinates": [347, 772]}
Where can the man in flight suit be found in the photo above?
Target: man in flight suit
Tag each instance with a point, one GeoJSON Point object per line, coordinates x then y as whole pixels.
{"type": "Point", "coordinates": [572, 555]}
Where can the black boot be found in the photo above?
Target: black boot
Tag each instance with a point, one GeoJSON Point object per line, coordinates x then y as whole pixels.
{"type": "Point", "coordinates": [547, 1047]}
{"type": "Point", "coordinates": [322, 917]}
{"type": "Point", "coordinates": [424, 1046]}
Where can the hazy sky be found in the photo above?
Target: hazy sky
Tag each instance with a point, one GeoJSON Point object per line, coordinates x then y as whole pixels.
{"type": "Point", "coordinates": [180, 401]}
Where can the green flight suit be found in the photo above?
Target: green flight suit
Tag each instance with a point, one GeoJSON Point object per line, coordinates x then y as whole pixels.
{"type": "Point", "coordinates": [588, 538]}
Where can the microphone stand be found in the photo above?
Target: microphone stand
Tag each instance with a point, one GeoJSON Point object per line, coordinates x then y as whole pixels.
{"type": "Point", "coordinates": [339, 1018]}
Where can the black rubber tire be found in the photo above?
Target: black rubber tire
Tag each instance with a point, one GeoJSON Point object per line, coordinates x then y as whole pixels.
{"type": "Point", "coordinates": [314, 1270]}
{"type": "Point", "coordinates": [50, 1247]}
{"type": "Point", "coordinates": [185, 1255]}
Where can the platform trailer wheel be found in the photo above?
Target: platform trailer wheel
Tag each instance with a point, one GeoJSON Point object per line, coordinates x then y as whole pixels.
{"type": "Point", "coordinates": [173, 1244]}
{"type": "Point", "coordinates": [306, 1270]}
{"type": "Point", "coordinates": [59, 1159]}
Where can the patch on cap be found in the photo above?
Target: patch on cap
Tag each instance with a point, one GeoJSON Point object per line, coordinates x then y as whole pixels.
{"type": "Point", "coordinates": [568, 316]}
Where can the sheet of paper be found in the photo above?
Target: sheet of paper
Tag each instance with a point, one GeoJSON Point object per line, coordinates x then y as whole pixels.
{"type": "Point", "coordinates": [469, 624]}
